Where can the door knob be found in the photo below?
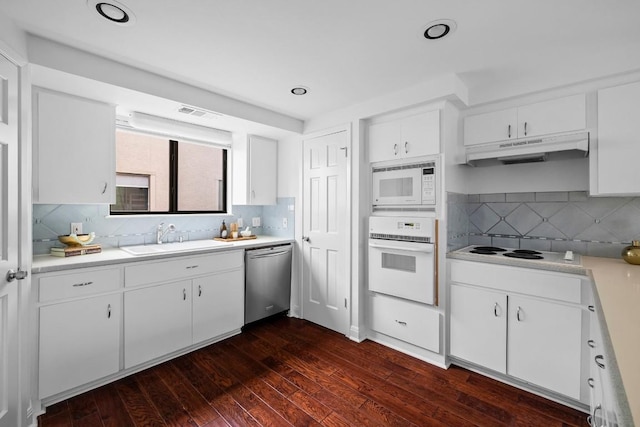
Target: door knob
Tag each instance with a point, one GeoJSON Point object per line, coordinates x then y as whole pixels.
{"type": "Point", "coordinates": [16, 275]}
{"type": "Point", "coordinates": [306, 239]}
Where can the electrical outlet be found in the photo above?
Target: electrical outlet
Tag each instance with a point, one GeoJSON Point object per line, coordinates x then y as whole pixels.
{"type": "Point", "coordinates": [76, 228]}
{"type": "Point", "coordinates": [240, 223]}
{"type": "Point", "coordinates": [255, 221]}
{"type": "Point", "coordinates": [285, 223]}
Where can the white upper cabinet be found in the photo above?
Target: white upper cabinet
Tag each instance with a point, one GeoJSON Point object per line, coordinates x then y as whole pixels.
{"type": "Point", "coordinates": [255, 176]}
{"type": "Point", "coordinates": [412, 136]}
{"type": "Point", "coordinates": [74, 149]}
{"type": "Point", "coordinates": [543, 118]}
{"type": "Point", "coordinates": [614, 162]}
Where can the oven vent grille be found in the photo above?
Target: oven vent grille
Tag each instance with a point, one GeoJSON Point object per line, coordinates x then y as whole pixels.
{"type": "Point", "coordinates": [403, 209]}
{"type": "Point", "coordinates": [418, 239]}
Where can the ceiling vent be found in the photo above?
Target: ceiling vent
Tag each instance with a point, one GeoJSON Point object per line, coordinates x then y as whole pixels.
{"type": "Point", "coordinates": [197, 112]}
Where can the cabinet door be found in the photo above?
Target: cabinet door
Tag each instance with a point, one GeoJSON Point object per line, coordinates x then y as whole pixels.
{"type": "Point", "coordinates": [157, 321]}
{"type": "Point", "coordinates": [79, 343]}
{"type": "Point", "coordinates": [74, 149]}
{"type": "Point", "coordinates": [490, 127]}
{"type": "Point", "coordinates": [618, 141]}
{"type": "Point", "coordinates": [543, 344]}
{"type": "Point", "coordinates": [559, 115]}
{"type": "Point", "coordinates": [479, 326]}
{"type": "Point", "coordinates": [384, 141]}
{"type": "Point", "coordinates": [218, 305]}
{"type": "Point", "coordinates": [263, 159]}
{"type": "Point", "coordinates": [420, 134]}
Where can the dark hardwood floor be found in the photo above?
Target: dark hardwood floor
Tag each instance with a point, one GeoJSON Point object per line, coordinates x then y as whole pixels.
{"type": "Point", "coordinates": [291, 372]}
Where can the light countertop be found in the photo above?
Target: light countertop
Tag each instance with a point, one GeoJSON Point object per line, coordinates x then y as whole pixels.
{"type": "Point", "coordinates": [617, 287]}
{"type": "Point", "coordinates": [48, 263]}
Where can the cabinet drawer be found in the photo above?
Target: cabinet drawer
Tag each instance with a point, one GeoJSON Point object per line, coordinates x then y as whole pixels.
{"type": "Point", "coordinates": [182, 268]}
{"type": "Point", "coordinates": [82, 283]}
{"type": "Point", "coordinates": [521, 280]}
{"type": "Point", "coordinates": [406, 320]}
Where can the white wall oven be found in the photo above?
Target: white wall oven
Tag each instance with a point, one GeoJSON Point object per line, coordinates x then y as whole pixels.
{"type": "Point", "coordinates": [402, 254]}
{"type": "Point", "coordinates": [405, 186]}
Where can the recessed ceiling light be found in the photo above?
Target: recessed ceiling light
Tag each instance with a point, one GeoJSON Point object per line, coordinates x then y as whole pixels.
{"type": "Point", "coordinates": [300, 90]}
{"type": "Point", "coordinates": [112, 11]}
{"type": "Point", "coordinates": [435, 30]}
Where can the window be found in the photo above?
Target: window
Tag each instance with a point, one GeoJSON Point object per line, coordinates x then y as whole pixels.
{"type": "Point", "coordinates": [159, 175]}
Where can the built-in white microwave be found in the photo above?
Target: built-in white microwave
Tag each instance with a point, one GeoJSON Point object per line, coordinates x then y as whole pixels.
{"type": "Point", "coordinates": [410, 183]}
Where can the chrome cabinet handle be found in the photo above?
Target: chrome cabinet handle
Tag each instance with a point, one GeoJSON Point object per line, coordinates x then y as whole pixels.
{"type": "Point", "coordinates": [16, 275]}
{"type": "Point", "coordinates": [406, 147]}
{"type": "Point", "coordinates": [109, 311]}
{"type": "Point", "coordinates": [598, 359]}
{"type": "Point", "coordinates": [400, 322]}
{"type": "Point", "coordinates": [525, 128]}
{"type": "Point", "coordinates": [509, 131]}
{"type": "Point", "coordinates": [591, 308]}
{"type": "Point", "coordinates": [591, 343]}
{"type": "Point", "coordinates": [590, 382]}
{"type": "Point", "coordinates": [184, 294]}
{"type": "Point", "coordinates": [77, 285]}
{"type": "Point", "coordinates": [199, 290]}
{"type": "Point", "coordinates": [495, 309]}
{"type": "Point", "coordinates": [104, 189]}
{"type": "Point", "coordinates": [518, 314]}
{"type": "Point", "coordinates": [189, 267]}
{"type": "Point", "coordinates": [395, 149]}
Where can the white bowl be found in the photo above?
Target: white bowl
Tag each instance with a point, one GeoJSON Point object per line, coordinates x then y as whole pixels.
{"type": "Point", "coordinates": [245, 233]}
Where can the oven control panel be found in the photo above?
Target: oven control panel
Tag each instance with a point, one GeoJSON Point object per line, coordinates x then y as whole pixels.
{"type": "Point", "coordinates": [428, 186]}
{"type": "Point", "coordinates": [408, 225]}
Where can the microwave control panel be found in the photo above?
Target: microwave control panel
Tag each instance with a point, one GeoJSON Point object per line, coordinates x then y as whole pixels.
{"type": "Point", "coordinates": [428, 186]}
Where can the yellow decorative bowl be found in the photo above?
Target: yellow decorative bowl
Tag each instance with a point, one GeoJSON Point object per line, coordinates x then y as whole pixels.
{"type": "Point", "coordinates": [631, 254]}
{"type": "Point", "coordinates": [77, 239]}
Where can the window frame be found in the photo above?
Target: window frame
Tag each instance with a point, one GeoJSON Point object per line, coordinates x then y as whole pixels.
{"type": "Point", "coordinates": [173, 180]}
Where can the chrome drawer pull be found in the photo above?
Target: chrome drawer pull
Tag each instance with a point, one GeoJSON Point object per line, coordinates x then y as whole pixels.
{"type": "Point", "coordinates": [77, 285]}
{"type": "Point", "coordinates": [109, 311]}
{"type": "Point", "coordinates": [401, 322]}
{"type": "Point", "coordinates": [192, 266]}
{"type": "Point", "coordinates": [495, 310]}
{"type": "Point", "coordinates": [591, 308]}
{"type": "Point", "coordinates": [590, 382]}
{"type": "Point", "coordinates": [591, 343]}
{"type": "Point", "coordinates": [199, 290]}
{"type": "Point", "coordinates": [184, 294]}
{"type": "Point", "coordinates": [518, 314]}
{"type": "Point", "coordinates": [598, 360]}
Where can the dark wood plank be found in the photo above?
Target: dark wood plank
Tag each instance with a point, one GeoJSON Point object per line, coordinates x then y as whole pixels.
{"type": "Point", "coordinates": [167, 405]}
{"type": "Point", "coordinates": [139, 407]}
{"type": "Point", "coordinates": [112, 411]}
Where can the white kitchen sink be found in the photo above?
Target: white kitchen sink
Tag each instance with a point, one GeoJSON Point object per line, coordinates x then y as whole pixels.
{"type": "Point", "coordinates": [174, 247]}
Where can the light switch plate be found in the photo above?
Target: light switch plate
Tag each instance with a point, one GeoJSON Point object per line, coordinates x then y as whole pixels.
{"type": "Point", "coordinates": [240, 223]}
{"type": "Point", "coordinates": [285, 222]}
{"type": "Point", "coordinates": [76, 228]}
{"type": "Point", "coordinates": [255, 221]}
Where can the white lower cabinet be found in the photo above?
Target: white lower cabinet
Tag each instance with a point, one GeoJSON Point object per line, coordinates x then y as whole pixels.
{"type": "Point", "coordinates": [478, 326]}
{"type": "Point", "coordinates": [157, 321]}
{"type": "Point", "coordinates": [544, 344]}
{"type": "Point", "coordinates": [534, 338]}
{"type": "Point", "coordinates": [79, 342]}
{"type": "Point", "coordinates": [218, 305]}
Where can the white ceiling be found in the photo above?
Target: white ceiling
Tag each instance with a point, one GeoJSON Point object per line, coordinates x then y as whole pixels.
{"type": "Point", "coordinates": [350, 51]}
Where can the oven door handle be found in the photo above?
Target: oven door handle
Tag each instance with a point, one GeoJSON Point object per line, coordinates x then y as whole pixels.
{"type": "Point", "coordinates": [428, 248]}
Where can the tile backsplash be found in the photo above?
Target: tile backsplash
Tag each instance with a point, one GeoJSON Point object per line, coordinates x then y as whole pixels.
{"type": "Point", "coordinates": [50, 221]}
{"type": "Point", "coordinates": [548, 221]}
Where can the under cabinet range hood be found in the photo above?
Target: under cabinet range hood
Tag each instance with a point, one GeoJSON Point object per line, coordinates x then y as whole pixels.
{"type": "Point", "coordinates": [529, 150]}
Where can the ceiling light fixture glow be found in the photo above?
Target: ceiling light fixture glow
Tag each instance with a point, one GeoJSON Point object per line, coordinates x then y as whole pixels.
{"type": "Point", "coordinates": [112, 11]}
{"type": "Point", "coordinates": [300, 90]}
{"type": "Point", "coordinates": [436, 30]}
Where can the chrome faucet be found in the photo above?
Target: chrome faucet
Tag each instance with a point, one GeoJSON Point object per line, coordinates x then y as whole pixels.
{"type": "Point", "coordinates": [160, 232]}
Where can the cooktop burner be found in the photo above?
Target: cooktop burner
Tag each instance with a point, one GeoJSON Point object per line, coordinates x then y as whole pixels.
{"type": "Point", "coordinates": [522, 255]}
{"type": "Point", "coordinates": [486, 250]}
{"type": "Point", "coordinates": [526, 251]}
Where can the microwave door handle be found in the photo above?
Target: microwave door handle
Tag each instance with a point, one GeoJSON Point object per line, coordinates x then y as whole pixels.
{"type": "Point", "coordinates": [428, 248]}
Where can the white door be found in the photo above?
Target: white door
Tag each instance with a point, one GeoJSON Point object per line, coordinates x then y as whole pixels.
{"type": "Point", "coordinates": [326, 232]}
{"type": "Point", "coordinates": [9, 343]}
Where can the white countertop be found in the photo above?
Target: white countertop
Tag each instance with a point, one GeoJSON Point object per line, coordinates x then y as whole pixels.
{"type": "Point", "coordinates": [47, 263]}
{"type": "Point", "coordinates": [617, 285]}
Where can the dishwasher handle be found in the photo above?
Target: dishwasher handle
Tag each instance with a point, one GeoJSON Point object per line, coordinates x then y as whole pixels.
{"type": "Point", "coordinates": [269, 254]}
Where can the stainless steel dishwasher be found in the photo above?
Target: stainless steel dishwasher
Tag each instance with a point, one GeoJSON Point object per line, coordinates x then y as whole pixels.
{"type": "Point", "coordinates": [267, 282]}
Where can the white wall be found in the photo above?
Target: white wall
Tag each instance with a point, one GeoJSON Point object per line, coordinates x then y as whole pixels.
{"type": "Point", "coordinates": [13, 41]}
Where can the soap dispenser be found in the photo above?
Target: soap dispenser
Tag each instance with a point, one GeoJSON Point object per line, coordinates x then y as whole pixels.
{"type": "Point", "coordinates": [223, 230]}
